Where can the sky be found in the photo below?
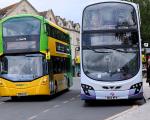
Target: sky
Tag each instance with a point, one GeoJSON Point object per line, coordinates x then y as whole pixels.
{"type": "Point", "coordinates": [69, 9]}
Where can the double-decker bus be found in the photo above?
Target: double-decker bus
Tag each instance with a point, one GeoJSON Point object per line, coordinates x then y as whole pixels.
{"type": "Point", "coordinates": [111, 65]}
{"type": "Point", "coordinates": [35, 57]}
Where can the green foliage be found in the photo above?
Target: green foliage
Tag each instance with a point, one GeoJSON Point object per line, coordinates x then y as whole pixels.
{"type": "Point", "coordinates": [145, 18]}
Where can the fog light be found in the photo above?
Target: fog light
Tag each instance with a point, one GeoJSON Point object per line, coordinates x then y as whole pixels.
{"type": "Point", "coordinates": [136, 87]}
{"type": "Point", "coordinates": [44, 81]}
{"type": "Point", "coordinates": [1, 83]}
{"type": "Point", "coordinates": [88, 90]}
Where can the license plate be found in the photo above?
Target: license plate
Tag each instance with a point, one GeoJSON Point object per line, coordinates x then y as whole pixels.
{"type": "Point", "coordinates": [22, 94]}
{"type": "Point", "coordinates": [111, 97]}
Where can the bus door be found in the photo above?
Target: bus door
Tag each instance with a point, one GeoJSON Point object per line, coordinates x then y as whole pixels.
{"type": "Point", "coordinates": [51, 78]}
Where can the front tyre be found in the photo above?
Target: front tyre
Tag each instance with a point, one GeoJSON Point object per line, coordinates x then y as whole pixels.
{"type": "Point", "coordinates": [149, 84]}
{"type": "Point", "coordinates": [88, 102]}
{"type": "Point", "coordinates": [14, 98]}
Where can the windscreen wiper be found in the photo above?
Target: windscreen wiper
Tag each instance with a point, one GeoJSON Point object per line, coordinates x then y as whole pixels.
{"type": "Point", "coordinates": [125, 26]}
{"type": "Point", "coordinates": [33, 56]}
{"type": "Point", "coordinates": [90, 48]}
{"type": "Point", "coordinates": [122, 51]}
{"type": "Point", "coordinates": [104, 47]}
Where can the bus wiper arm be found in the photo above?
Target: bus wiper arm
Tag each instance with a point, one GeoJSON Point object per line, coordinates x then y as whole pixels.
{"type": "Point", "coordinates": [90, 48]}
{"type": "Point", "coordinates": [126, 26]}
{"type": "Point", "coordinates": [120, 50]}
{"type": "Point", "coordinates": [122, 26]}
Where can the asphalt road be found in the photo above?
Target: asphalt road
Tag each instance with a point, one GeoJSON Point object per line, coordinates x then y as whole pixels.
{"type": "Point", "coordinates": [66, 106]}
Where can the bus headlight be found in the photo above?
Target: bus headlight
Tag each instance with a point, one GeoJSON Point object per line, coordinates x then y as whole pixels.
{"type": "Point", "coordinates": [44, 81]}
{"type": "Point", "coordinates": [88, 90]}
{"type": "Point", "coordinates": [136, 87]}
{"type": "Point", "coordinates": [1, 83]}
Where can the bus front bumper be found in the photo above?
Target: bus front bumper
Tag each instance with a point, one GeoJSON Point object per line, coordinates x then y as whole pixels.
{"type": "Point", "coordinates": [112, 95]}
{"type": "Point", "coordinates": [33, 91]}
{"type": "Point", "coordinates": [37, 87]}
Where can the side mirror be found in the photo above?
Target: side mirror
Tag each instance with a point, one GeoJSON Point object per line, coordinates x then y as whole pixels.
{"type": "Point", "coordinates": [77, 48]}
{"type": "Point", "coordinates": [145, 45]}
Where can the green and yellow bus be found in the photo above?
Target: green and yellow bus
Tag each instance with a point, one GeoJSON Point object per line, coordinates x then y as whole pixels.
{"type": "Point", "coordinates": [35, 57]}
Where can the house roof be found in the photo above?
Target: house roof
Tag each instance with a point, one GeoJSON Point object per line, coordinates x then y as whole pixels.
{"type": "Point", "coordinates": [8, 9]}
{"type": "Point", "coordinates": [3, 11]}
{"type": "Point", "coordinates": [43, 13]}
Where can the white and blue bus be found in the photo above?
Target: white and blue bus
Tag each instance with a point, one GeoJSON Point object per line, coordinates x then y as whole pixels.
{"type": "Point", "coordinates": [111, 65]}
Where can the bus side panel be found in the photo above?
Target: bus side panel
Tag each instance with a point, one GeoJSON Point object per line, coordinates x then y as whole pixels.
{"type": "Point", "coordinates": [60, 82]}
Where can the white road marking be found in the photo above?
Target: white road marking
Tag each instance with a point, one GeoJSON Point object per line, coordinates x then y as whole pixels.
{"type": "Point", "coordinates": [46, 110]}
{"type": "Point", "coordinates": [122, 113]}
{"type": "Point", "coordinates": [56, 106]}
{"type": "Point", "coordinates": [2, 102]}
{"type": "Point", "coordinates": [33, 117]}
{"type": "Point", "coordinates": [66, 101]}
{"type": "Point", "coordinates": [4, 98]}
{"type": "Point", "coordinates": [72, 98]}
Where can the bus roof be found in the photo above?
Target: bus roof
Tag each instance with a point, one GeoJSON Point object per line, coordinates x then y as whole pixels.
{"type": "Point", "coordinates": [38, 17]}
{"type": "Point", "coordinates": [101, 1]}
{"type": "Point", "coordinates": [22, 15]}
{"type": "Point", "coordinates": [56, 26]}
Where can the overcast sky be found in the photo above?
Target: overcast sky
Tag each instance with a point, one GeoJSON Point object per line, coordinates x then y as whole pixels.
{"type": "Point", "coordinates": [69, 9]}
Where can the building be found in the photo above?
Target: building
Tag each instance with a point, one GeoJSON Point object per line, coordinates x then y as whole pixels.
{"type": "Point", "coordinates": [25, 7]}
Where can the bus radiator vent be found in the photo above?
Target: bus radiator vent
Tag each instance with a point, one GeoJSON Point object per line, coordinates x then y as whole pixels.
{"type": "Point", "coordinates": [111, 87]}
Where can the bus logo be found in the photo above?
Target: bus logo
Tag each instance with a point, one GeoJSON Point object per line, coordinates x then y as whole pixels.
{"type": "Point", "coordinates": [21, 39]}
{"type": "Point", "coordinates": [112, 94]}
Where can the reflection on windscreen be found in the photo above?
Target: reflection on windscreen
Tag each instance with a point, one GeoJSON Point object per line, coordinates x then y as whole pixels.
{"type": "Point", "coordinates": [108, 15]}
{"type": "Point", "coordinates": [21, 68]}
{"type": "Point", "coordinates": [98, 39]}
{"type": "Point", "coordinates": [21, 26]}
{"type": "Point", "coordinates": [111, 66]}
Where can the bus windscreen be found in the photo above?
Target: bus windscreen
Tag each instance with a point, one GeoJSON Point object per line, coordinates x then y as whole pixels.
{"type": "Point", "coordinates": [21, 27]}
{"type": "Point", "coordinates": [109, 16]}
{"type": "Point", "coordinates": [22, 68]}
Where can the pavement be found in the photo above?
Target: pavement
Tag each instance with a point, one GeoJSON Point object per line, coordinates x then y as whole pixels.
{"type": "Point", "coordinates": [136, 112]}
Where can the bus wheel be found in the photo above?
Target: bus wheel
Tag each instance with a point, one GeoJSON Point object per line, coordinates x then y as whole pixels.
{"type": "Point", "coordinates": [78, 74]}
{"type": "Point", "coordinates": [68, 83]}
{"type": "Point", "coordinates": [140, 102]}
{"type": "Point", "coordinates": [149, 84]}
{"type": "Point", "coordinates": [87, 102]}
{"type": "Point", "coordinates": [56, 87]}
{"type": "Point", "coordinates": [14, 98]}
